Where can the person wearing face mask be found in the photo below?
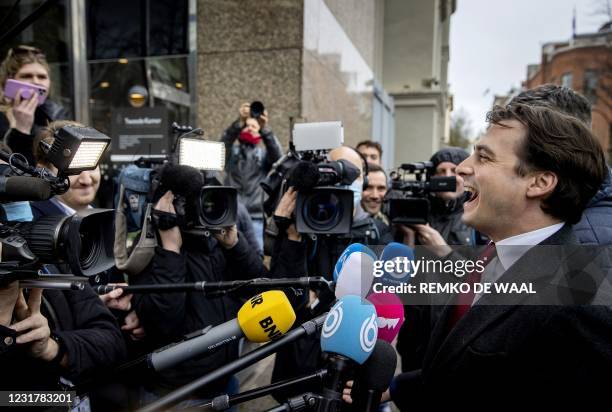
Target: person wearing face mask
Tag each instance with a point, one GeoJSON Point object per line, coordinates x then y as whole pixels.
{"type": "Point", "coordinates": [297, 255]}
{"type": "Point", "coordinates": [21, 119]}
{"type": "Point", "coordinates": [250, 149]}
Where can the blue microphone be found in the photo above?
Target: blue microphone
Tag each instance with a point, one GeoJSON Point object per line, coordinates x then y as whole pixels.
{"type": "Point", "coordinates": [392, 252]}
{"type": "Point", "coordinates": [348, 336]}
{"type": "Point", "coordinates": [350, 329]}
{"type": "Point", "coordinates": [356, 275]}
{"type": "Point", "coordinates": [350, 249]}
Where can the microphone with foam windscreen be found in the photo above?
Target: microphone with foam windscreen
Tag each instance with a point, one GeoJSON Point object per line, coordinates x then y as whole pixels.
{"type": "Point", "coordinates": [350, 249]}
{"type": "Point", "coordinates": [390, 312]}
{"type": "Point", "coordinates": [393, 252]}
{"type": "Point", "coordinates": [262, 318]}
{"type": "Point", "coordinates": [356, 275]}
{"type": "Point", "coordinates": [24, 188]}
{"type": "Point", "coordinates": [373, 378]}
{"type": "Point", "coordinates": [348, 337]}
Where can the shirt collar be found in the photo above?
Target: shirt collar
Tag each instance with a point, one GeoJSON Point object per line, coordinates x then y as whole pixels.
{"type": "Point", "coordinates": [511, 249]}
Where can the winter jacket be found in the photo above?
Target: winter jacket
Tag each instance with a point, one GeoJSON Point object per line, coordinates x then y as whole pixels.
{"type": "Point", "coordinates": [595, 226]}
{"type": "Point", "coordinates": [168, 317]}
{"type": "Point", "coordinates": [22, 143]}
{"type": "Point", "coordinates": [246, 165]}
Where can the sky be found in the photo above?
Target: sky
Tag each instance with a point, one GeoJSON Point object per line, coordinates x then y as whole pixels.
{"type": "Point", "coordinates": [493, 41]}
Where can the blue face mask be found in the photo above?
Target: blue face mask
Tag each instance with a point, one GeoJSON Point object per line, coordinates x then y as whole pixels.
{"type": "Point", "coordinates": [18, 211]}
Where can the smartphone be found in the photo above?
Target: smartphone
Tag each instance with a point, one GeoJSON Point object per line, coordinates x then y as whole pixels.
{"type": "Point", "coordinates": [27, 89]}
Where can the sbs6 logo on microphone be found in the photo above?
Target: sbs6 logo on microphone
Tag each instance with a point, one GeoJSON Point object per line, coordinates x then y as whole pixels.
{"type": "Point", "coordinates": [333, 320]}
{"type": "Point", "coordinates": [368, 333]}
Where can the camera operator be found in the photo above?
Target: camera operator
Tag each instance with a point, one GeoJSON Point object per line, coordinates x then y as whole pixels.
{"type": "Point", "coordinates": [299, 255]}
{"type": "Point", "coordinates": [251, 149]}
{"type": "Point", "coordinates": [185, 255]}
{"type": "Point", "coordinates": [20, 119]}
{"type": "Point", "coordinates": [80, 195]}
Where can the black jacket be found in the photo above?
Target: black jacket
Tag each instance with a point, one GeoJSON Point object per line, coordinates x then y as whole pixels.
{"type": "Point", "coordinates": [88, 331]}
{"type": "Point", "coordinates": [505, 351]}
{"type": "Point", "coordinates": [169, 317]}
{"type": "Point", "coordinates": [24, 143]}
{"type": "Point", "coordinates": [246, 165]}
{"type": "Point", "coordinates": [446, 219]}
{"type": "Point", "coordinates": [308, 258]}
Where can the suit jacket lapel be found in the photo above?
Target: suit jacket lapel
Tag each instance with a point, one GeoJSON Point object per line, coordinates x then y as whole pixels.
{"type": "Point", "coordinates": [529, 267]}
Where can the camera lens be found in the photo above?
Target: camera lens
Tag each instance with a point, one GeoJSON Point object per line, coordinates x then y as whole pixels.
{"type": "Point", "coordinates": [91, 245]}
{"type": "Point", "coordinates": [214, 206]}
{"type": "Point", "coordinates": [323, 211]}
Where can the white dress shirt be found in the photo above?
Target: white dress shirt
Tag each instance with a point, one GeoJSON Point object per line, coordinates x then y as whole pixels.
{"type": "Point", "coordinates": [511, 249]}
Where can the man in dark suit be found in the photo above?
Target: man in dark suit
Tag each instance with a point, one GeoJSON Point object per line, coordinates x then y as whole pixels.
{"type": "Point", "coordinates": [530, 178]}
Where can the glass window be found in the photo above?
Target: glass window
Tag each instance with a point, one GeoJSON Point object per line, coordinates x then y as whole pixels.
{"type": "Point", "coordinates": [49, 33]}
{"type": "Point", "coordinates": [567, 79]}
{"type": "Point", "coordinates": [590, 85]}
{"type": "Point", "coordinates": [136, 28]}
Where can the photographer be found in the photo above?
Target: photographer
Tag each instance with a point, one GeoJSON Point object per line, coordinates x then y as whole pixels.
{"type": "Point", "coordinates": [185, 255]}
{"type": "Point", "coordinates": [299, 255]}
{"type": "Point", "coordinates": [20, 119]}
{"type": "Point", "coordinates": [251, 149]}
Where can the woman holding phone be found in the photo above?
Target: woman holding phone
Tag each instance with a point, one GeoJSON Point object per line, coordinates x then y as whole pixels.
{"type": "Point", "coordinates": [24, 110]}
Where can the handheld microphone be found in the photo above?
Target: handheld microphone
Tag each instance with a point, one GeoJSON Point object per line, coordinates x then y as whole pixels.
{"type": "Point", "coordinates": [24, 188]}
{"type": "Point", "coordinates": [350, 249]}
{"type": "Point", "coordinates": [392, 252]}
{"type": "Point", "coordinates": [264, 317]}
{"type": "Point", "coordinates": [390, 312]}
{"type": "Point", "coordinates": [356, 275]}
{"type": "Point", "coordinates": [349, 335]}
{"type": "Point", "coordinates": [373, 378]}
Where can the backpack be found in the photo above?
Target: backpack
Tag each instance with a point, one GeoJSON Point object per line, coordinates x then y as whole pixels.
{"type": "Point", "coordinates": [135, 238]}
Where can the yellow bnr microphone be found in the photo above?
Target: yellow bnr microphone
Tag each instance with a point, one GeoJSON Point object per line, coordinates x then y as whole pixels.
{"type": "Point", "coordinates": [264, 317]}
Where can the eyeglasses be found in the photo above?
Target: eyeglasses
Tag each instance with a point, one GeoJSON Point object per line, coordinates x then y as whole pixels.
{"type": "Point", "coordinates": [23, 49]}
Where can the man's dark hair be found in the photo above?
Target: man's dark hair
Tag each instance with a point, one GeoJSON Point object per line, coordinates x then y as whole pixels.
{"type": "Point", "coordinates": [373, 167]}
{"type": "Point", "coordinates": [370, 143]}
{"type": "Point", "coordinates": [561, 144]}
{"type": "Point", "coordinates": [559, 98]}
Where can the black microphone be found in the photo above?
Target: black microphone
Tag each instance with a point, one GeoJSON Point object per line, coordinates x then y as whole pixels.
{"type": "Point", "coordinates": [305, 329]}
{"type": "Point", "coordinates": [214, 287]}
{"type": "Point", "coordinates": [373, 378]}
{"type": "Point", "coordinates": [24, 188]}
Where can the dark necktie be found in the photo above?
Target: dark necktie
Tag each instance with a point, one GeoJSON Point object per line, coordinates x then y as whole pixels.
{"type": "Point", "coordinates": [464, 300]}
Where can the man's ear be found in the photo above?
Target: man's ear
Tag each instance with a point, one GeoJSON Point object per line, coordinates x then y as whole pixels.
{"type": "Point", "coordinates": [542, 184]}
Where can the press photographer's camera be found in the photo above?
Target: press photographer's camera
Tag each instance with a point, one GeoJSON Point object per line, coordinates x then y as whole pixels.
{"type": "Point", "coordinates": [323, 206]}
{"type": "Point", "coordinates": [411, 186]}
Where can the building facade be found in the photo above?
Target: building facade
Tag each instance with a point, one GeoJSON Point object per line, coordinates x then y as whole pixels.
{"type": "Point", "coordinates": [584, 64]}
{"type": "Point", "coordinates": [131, 68]}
